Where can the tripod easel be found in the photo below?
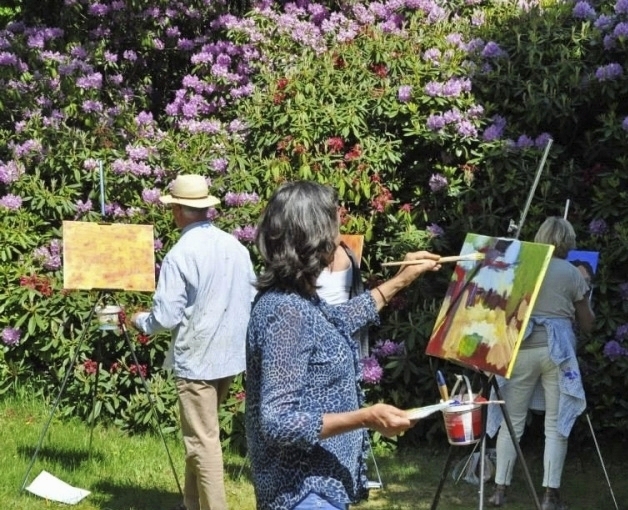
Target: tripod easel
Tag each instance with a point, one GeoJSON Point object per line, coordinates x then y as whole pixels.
{"type": "Point", "coordinates": [489, 382]}
{"type": "Point", "coordinates": [103, 296]}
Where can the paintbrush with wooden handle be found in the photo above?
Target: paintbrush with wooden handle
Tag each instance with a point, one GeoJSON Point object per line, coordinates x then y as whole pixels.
{"type": "Point", "coordinates": [442, 260]}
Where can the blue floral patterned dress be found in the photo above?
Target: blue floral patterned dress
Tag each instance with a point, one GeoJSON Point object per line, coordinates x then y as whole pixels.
{"type": "Point", "coordinates": [302, 363]}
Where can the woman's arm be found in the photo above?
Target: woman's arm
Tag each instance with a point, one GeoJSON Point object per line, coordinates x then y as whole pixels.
{"type": "Point", "coordinates": [383, 293]}
{"type": "Point", "coordinates": [385, 419]}
{"type": "Point", "coordinates": [584, 315]}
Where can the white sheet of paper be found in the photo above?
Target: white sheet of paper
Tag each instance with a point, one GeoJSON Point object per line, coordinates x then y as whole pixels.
{"type": "Point", "coordinates": [50, 487]}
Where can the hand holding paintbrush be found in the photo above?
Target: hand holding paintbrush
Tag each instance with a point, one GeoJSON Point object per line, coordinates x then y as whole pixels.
{"type": "Point", "coordinates": [415, 264]}
{"type": "Point", "coordinates": [455, 258]}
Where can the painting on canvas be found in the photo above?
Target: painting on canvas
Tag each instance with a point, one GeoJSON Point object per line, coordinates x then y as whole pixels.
{"type": "Point", "coordinates": [488, 303]}
{"type": "Point", "coordinates": [585, 261]}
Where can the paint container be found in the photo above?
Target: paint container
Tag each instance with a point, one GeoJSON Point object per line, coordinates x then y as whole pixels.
{"type": "Point", "coordinates": [108, 317]}
{"type": "Point", "coordinates": [463, 422]}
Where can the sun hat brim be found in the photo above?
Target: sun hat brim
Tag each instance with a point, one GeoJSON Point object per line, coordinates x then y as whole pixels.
{"type": "Point", "coordinates": [198, 203]}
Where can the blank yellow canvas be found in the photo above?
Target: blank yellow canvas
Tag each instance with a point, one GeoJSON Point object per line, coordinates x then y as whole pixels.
{"type": "Point", "coordinates": [108, 256]}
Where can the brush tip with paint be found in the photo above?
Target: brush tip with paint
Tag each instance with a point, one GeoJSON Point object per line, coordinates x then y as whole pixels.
{"type": "Point", "coordinates": [476, 256]}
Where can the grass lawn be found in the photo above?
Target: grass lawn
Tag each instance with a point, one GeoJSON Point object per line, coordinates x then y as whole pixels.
{"type": "Point", "coordinates": [133, 473]}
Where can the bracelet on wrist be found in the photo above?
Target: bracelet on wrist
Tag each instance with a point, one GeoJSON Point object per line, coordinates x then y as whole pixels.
{"type": "Point", "coordinates": [381, 294]}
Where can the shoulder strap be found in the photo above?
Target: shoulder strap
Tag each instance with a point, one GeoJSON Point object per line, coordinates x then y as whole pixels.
{"type": "Point", "coordinates": [357, 287]}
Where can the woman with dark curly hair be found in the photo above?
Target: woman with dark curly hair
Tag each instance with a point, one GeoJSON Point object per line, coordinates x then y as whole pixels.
{"type": "Point", "coordinates": [305, 423]}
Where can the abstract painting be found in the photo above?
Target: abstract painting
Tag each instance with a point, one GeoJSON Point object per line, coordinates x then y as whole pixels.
{"type": "Point", "coordinates": [102, 256]}
{"type": "Point", "coordinates": [488, 303]}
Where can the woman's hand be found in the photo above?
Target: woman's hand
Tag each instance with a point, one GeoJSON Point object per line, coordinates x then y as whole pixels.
{"type": "Point", "coordinates": [425, 261]}
{"type": "Point", "coordinates": [388, 420]}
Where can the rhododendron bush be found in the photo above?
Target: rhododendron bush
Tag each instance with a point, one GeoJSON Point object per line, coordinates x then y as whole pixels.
{"type": "Point", "coordinates": [429, 117]}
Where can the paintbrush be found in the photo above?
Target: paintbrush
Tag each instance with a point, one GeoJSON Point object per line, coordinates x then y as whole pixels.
{"type": "Point", "coordinates": [442, 260]}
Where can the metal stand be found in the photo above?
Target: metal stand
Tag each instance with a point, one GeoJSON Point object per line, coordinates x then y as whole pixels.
{"type": "Point", "coordinates": [103, 295]}
{"type": "Point", "coordinates": [491, 382]}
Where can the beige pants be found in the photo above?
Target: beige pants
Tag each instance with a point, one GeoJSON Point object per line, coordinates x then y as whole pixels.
{"type": "Point", "coordinates": [199, 401]}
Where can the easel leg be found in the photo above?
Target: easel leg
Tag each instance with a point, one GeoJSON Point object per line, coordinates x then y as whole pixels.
{"type": "Point", "coordinates": [513, 437]}
{"type": "Point", "coordinates": [92, 416]}
{"type": "Point", "coordinates": [69, 369]}
{"type": "Point", "coordinates": [443, 476]}
{"type": "Point", "coordinates": [152, 406]}
{"type": "Point", "coordinates": [482, 468]}
{"type": "Point", "coordinates": [599, 453]}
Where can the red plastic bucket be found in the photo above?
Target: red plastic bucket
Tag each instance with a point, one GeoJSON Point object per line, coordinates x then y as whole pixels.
{"type": "Point", "coordinates": [463, 423]}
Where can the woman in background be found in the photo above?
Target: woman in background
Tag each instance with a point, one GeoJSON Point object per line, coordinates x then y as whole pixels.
{"type": "Point", "coordinates": [547, 356]}
{"type": "Point", "coordinates": [304, 416]}
{"type": "Point", "coordinates": [340, 281]}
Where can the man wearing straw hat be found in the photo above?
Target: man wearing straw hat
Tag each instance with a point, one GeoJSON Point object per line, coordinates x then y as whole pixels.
{"type": "Point", "coordinates": [203, 297]}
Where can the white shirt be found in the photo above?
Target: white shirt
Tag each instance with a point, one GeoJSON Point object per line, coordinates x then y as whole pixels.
{"type": "Point", "coordinates": [335, 287]}
{"type": "Point", "coordinates": [204, 298]}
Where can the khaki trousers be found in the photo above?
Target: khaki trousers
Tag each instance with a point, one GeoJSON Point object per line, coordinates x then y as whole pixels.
{"type": "Point", "coordinates": [204, 487]}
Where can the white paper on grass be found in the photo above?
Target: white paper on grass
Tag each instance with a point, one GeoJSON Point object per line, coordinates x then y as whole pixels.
{"type": "Point", "coordinates": [50, 487]}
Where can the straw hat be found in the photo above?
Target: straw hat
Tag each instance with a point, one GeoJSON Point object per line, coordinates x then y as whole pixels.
{"type": "Point", "coordinates": [190, 190]}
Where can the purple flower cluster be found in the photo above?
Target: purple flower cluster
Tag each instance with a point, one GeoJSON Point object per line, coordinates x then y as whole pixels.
{"type": "Point", "coordinates": [83, 207]}
{"type": "Point", "coordinates": [26, 149]}
{"type": "Point", "coordinates": [453, 87]}
{"type": "Point", "coordinates": [492, 50]}
{"type": "Point", "coordinates": [623, 291]}
{"type": "Point", "coordinates": [129, 166]}
{"type": "Point", "coordinates": [583, 10]}
{"type": "Point", "coordinates": [621, 7]}
{"type": "Point", "coordinates": [245, 234]}
{"type": "Point", "coordinates": [434, 230]}
{"type": "Point", "coordinates": [432, 55]}
{"type": "Point", "coordinates": [438, 182]}
{"type": "Point", "coordinates": [49, 256]}
{"type": "Point", "coordinates": [621, 30]}
{"type": "Point", "coordinates": [598, 227]}
{"type": "Point", "coordinates": [372, 372]}
{"type": "Point", "coordinates": [404, 94]}
{"type": "Point", "coordinates": [386, 348]}
{"type": "Point", "coordinates": [11, 202]}
{"type": "Point", "coordinates": [609, 72]}
{"type": "Point", "coordinates": [151, 196]}
{"type": "Point", "coordinates": [219, 165]}
{"type": "Point", "coordinates": [11, 336]}
{"type": "Point", "coordinates": [240, 199]}
{"type": "Point", "coordinates": [496, 130]}
{"type": "Point", "coordinates": [621, 333]}
{"type": "Point", "coordinates": [460, 121]}
{"type": "Point", "coordinates": [613, 350]}
{"type": "Point", "coordinates": [10, 171]}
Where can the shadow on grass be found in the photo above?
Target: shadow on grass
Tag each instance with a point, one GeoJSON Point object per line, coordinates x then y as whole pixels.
{"type": "Point", "coordinates": [67, 458]}
{"type": "Point", "coordinates": [117, 496]}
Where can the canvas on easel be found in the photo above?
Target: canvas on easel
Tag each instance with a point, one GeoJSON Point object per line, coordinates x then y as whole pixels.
{"type": "Point", "coordinates": [108, 256]}
{"type": "Point", "coordinates": [488, 303]}
{"type": "Point", "coordinates": [585, 261]}
{"type": "Point", "coordinates": [355, 242]}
